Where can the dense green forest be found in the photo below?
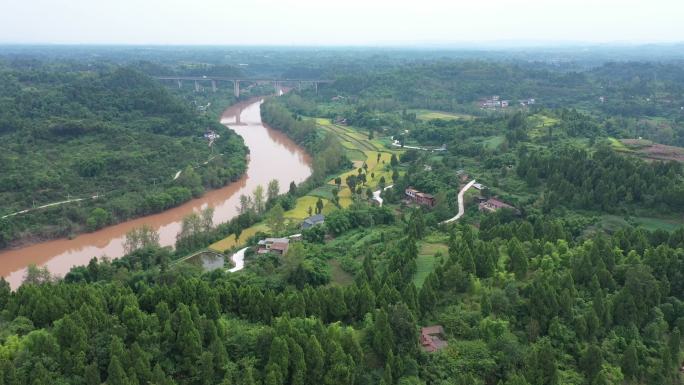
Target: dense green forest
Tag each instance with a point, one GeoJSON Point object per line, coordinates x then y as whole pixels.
{"type": "Point", "coordinates": [521, 303]}
{"type": "Point", "coordinates": [111, 132]}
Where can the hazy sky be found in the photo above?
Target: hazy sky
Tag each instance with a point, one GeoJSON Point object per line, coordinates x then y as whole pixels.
{"type": "Point", "coordinates": [338, 22]}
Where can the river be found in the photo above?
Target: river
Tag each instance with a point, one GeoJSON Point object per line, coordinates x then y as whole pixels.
{"type": "Point", "coordinates": [272, 156]}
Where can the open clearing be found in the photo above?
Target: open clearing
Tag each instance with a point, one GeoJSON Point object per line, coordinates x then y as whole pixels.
{"type": "Point", "coordinates": [431, 114]}
{"type": "Point", "coordinates": [229, 242]}
{"type": "Point", "coordinates": [337, 275]}
{"type": "Point", "coordinates": [653, 151]}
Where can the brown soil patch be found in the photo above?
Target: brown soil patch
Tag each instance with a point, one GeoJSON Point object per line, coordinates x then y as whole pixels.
{"type": "Point", "coordinates": [655, 151]}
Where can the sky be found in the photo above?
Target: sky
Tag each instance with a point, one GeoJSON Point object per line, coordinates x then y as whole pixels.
{"type": "Point", "coordinates": [340, 22]}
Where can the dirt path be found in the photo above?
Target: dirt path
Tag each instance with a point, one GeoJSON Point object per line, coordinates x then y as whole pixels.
{"type": "Point", "coordinates": [48, 205]}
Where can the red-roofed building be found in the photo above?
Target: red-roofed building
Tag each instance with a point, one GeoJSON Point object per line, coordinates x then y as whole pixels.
{"type": "Point", "coordinates": [273, 245]}
{"type": "Point", "coordinates": [420, 197]}
{"type": "Point", "coordinates": [431, 338]}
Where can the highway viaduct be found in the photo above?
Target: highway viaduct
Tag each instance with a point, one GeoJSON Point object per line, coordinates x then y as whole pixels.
{"type": "Point", "coordinates": [214, 80]}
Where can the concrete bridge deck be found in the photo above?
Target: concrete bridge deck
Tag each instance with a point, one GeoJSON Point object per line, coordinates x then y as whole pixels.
{"type": "Point", "coordinates": [236, 81]}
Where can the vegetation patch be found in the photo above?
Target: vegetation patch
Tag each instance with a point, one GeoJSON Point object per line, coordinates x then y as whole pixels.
{"type": "Point", "coordinates": [426, 261]}
{"type": "Point", "coordinates": [229, 242]}
{"type": "Point", "coordinates": [430, 115]}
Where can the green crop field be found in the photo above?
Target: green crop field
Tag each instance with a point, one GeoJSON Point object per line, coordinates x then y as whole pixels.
{"type": "Point", "coordinates": [430, 114]}
{"type": "Point", "coordinates": [426, 261]}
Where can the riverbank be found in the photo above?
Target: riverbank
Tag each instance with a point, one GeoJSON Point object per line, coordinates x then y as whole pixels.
{"type": "Point", "coordinates": [360, 150]}
{"type": "Point", "coordinates": [272, 156]}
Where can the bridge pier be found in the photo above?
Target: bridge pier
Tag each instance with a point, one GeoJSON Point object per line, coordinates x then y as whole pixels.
{"type": "Point", "coordinates": [315, 84]}
{"type": "Point", "coordinates": [236, 88]}
{"type": "Point", "coordinates": [197, 87]}
{"type": "Point", "coordinates": [277, 88]}
{"type": "Point", "coordinates": [180, 84]}
{"type": "Point", "coordinates": [213, 85]}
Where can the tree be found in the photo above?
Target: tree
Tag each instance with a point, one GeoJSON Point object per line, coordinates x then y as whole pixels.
{"type": "Point", "coordinates": [272, 191]}
{"type": "Point", "coordinates": [394, 162]}
{"type": "Point", "coordinates": [188, 341]}
{"type": "Point", "coordinates": [541, 364]}
{"type": "Point", "coordinates": [158, 376]}
{"type": "Point", "coordinates": [351, 182]}
{"type": "Point", "coordinates": [245, 204]}
{"type": "Point", "coordinates": [416, 224]}
{"type": "Point", "coordinates": [98, 218]}
{"type": "Point", "coordinates": [116, 374]}
{"type": "Point", "coordinates": [517, 260]}
{"type": "Point", "coordinates": [427, 298]}
{"type": "Point", "coordinates": [259, 204]}
{"type": "Point", "coordinates": [297, 364]}
{"type": "Point", "coordinates": [92, 375]}
{"type": "Point", "coordinates": [383, 340]}
{"type": "Point", "coordinates": [319, 206]}
{"type": "Point", "coordinates": [140, 238]}
{"type": "Point", "coordinates": [279, 358]}
{"type": "Point", "coordinates": [276, 218]}
{"type": "Point", "coordinates": [37, 275]}
{"type": "Point", "coordinates": [674, 345]}
{"type": "Point", "coordinates": [336, 198]}
{"type": "Point", "coordinates": [315, 362]}
{"type": "Point", "coordinates": [206, 369]}
{"type": "Point", "coordinates": [630, 361]}
{"type": "Point", "coordinates": [591, 361]}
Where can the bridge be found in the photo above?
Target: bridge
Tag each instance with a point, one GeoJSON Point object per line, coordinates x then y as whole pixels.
{"type": "Point", "coordinates": [214, 80]}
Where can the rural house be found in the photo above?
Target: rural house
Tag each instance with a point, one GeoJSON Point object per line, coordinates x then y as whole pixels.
{"type": "Point", "coordinates": [313, 221]}
{"type": "Point", "coordinates": [492, 204]}
{"type": "Point", "coordinates": [420, 197]}
{"type": "Point", "coordinates": [431, 338]}
{"type": "Point", "coordinates": [273, 245]}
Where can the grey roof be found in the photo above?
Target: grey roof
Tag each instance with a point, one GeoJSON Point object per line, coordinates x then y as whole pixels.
{"type": "Point", "coordinates": [273, 240]}
{"type": "Point", "coordinates": [313, 220]}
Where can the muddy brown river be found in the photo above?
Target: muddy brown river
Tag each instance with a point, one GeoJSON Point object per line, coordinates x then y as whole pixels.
{"type": "Point", "coordinates": [272, 156]}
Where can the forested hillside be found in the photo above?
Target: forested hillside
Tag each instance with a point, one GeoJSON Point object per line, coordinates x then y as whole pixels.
{"type": "Point", "coordinates": [68, 132]}
{"type": "Point", "coordinates": [630, 89]}
{"type": "Point", "coordinates": [521, 303]}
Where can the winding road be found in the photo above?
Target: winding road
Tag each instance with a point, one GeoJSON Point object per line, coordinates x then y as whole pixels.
{"type": "Point", "coordinates": [238, 259]}
{"type": "Point", "coordinates": [376, 194]}
{"type": "Point", "coordinates": [461, 208]}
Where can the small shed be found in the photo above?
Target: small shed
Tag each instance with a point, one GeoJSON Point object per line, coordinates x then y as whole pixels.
{"type": "Point", "coordinates": [313, 221]}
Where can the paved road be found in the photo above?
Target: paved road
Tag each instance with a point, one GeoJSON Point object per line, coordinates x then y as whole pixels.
{"type": "Point", "coordinates": [376, 194]}
{"type": "Point", "coordinates": [461, 208]}
{"type": "Point", "coordinates": [239, 260]}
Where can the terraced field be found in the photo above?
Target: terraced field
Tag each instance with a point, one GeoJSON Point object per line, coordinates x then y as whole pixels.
{"type": "Point", "coordinates": [360, 150]}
